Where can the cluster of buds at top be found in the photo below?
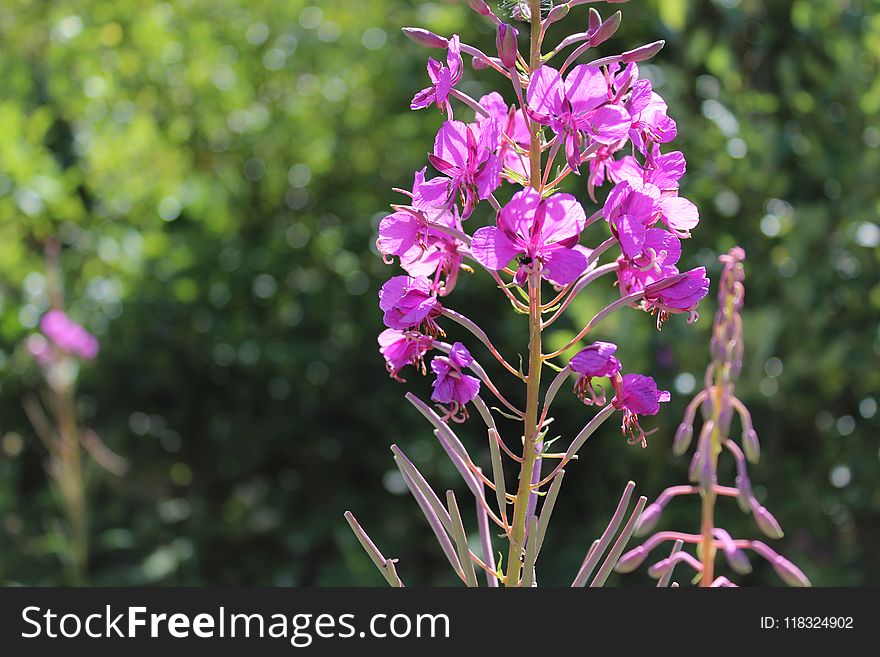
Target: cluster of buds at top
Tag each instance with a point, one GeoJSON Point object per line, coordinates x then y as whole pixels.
{"type": "Point", "coordinates": [719, 405]}
{"type": "Point", "coordinates": [598, 122]}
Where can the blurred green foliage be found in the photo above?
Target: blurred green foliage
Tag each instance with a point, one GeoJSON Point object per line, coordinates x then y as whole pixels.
{"type": "Point", "coordinates": [216, 170]}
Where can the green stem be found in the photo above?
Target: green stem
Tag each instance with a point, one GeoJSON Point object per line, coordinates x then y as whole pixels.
{"type": "Point", "coordinates": [533, 382]}
{"type": "Point", "coordinates": [707, 543]}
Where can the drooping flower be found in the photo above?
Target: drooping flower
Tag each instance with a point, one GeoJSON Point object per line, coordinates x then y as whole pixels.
{"type": "Point", "coordinates": [660, 250]}
{"type": "Point", "coordinates": [452, 386]}
{"type": "Point", "coordinates": [636, 394]}
{"type": "Point", "coordinates": [677, 294]}
{"type": "Point", "coordinates": [443, 78]}
{"type": "Point", "coordinates": [578, 110]}
{"type": "Point", "coordinates": [68, 336]}
{"type": "Point", "coordinates": [402, 348]}
{"type": "Point", "coordinates": [469, 160]}
{"type": "Point", "coordinates": [592, 361]}
{"type": "Point", "coordinates": [408, 303]}
{"type": "Point", "coordinates": [540, 233]}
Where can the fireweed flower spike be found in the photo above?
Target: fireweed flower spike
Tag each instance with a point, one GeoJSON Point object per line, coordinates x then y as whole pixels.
{"type": "Point", "coordinates": [600, 114]}
{"type": "Point", "coordinates": [719, 407]}
{"type": "Point", "coordinates": [443, 78]}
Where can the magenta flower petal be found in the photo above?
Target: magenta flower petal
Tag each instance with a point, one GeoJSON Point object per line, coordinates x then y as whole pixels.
{"type": "Point", "coordinates": [545, 94]}
{"type": "Point", "coordinates": [596, 359]}
{"type": "Point", "coordinates": [492, 248]}
{"type": "Point", "coordinates": [609, 124]}
{"type": "Point", "coordinates": [679, 214]}
{"type": "Point", "coordinates": [451, 144]}
{"type": "Point", "coordinates": [564, 218]}
{"type": "Point", "coordinates": [586, 89]}
{"type": "Point", "coordinates": [563, 266]}
{"type": "Point", "coordinates": [489, 177]}
{"type": "Point", "coordinates": [639, 394]}
{"type": "Point", "coordinates": [517, 217]}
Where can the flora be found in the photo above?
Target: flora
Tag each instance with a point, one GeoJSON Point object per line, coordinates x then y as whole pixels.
{"type": "Point", "coordinates": [719, 405]}
{"type": "Point", "coordinates": [602, 122]}
{"type": "Point", "coordinates": [59, 347]}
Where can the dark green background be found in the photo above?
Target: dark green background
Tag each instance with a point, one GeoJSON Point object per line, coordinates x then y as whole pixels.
{"type": "Point", "coordinates": [216, 171]}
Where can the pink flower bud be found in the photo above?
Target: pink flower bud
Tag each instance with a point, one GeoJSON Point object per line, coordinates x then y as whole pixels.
{"type": "Point", "coordinates": [506, 43]}
{"type": "Point", "coordinates": [424, 37]}
{"type": "Point", "coordinates": [631, 560]}
{"type": "Point", "coordinates": [682, 440]}
{"type": "Point", "coordinates": [649, 518]}
{"type": "Point", "coordinates": [790, 574]}
{"type": "Point", "coordinates": [480, 7]}
{"type": "Point", "coordinates": [751, 446]}
{"type": "Point", "coordinates": [642, 53]}
{"type": "Point", "coordinates": [765, 521]}
{"type": "Point", "coordinates": [594, 21]}
{"type": "Point", "coordinates": [556, 14]}
{"type": "Point", "coordinates": [606, 30]}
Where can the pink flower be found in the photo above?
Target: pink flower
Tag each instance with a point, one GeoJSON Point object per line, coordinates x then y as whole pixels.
{"type": "Point", "coordinates": [659, 252]}
{"type": "Point", "coordinates": [540, 232]}
{"type": "Point", "coordinates": [68, 336]}
{"type": "Point", "coordinates": [443, 78]}
{"type": "Point", "coordinates": [629, 211]}
{"type": "Point", "coordinates": [650, 123]}
{"type": "Point", "coordinates": [678, 294]}
{"type": "Point", "coordinates": [452, 386]}
{"type": "Point", "coordinates": [402, 348]}
{"type": "Point", "coordinates": [424, 250]}
{"type": "Point", "coordinates": [408, 303]}
{"type": "Point", "coordinates": [594, 360]}
{"type": "Point", "coordinates": [469, 161]}
{"type": "Point", "coordinates": [578, 109]}
{"type": "Point", "coordinates": [636, 395]}
{"type": "Point", "coordinates": [513, 125]}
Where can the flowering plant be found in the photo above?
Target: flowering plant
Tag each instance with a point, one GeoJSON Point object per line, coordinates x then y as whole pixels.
{"type": "Point", "coordinates": [609, 125]}
{"type": "Point", "coordinates": [718, 404]}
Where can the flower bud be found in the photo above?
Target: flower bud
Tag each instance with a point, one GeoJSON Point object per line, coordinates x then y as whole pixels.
{"type": "Point", "coordinates": [682, 440]}
{"type": "Point", "coordinates": [751, 446]}
{"type": "Point", "coordinates": [744, 496]}
{"type": "Point", "coordinates": [631, 560]}
{"type": "Point", "coordinates": [425, 37]}
{"type": "Point", "coordinates": [649, 518]}
{"type": "Point", "coordinates": [694, 468]}
{"type": "Point", "coordinates": [480, 7]}
{"type": "Point", "coordinates": [606, 30]}
{"type": "Point", "coordinates": [642, 53]}
{"type": "Point", "coordinates": [765, 521]}
{"type": "Point", "coordinates": [594, 21]}
{"type": "Point", "coordinates": [708, 478]}
{"type": "Point", "coordinates": [737, 560]}
{"type": "Point", "coordinates": [521, 11]}
{"type": "Point", "coordinates": [506, 43]}
{"type": "Point", "coordinates": [556, 14]}
{"type": "Point", "coordinates": [790, 574]}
